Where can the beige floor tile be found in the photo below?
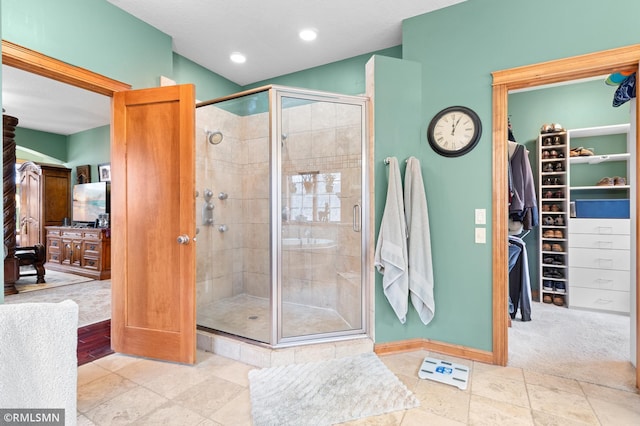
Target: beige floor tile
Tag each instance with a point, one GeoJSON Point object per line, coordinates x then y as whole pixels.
{"type": "Point", "coordinates": [443, 400]}
{"type": "Point", "coordinates": [616, 396]}
{"type": "Point", "coordinates": [407, 363]}
{"type": "Point", "coordinates": [90, 372]}
{"type": "Point", "coordinates": [102, 390]}
{"type": "Point", "coordinates": [553, 382]}
{"type": "Point", "coordinates": [389, 419]}
{"type": "Point", "coordinates": [612, 414]}
{"type": "Point", "coordinates": [235, 412]}
{"type": "Point", "coordinates": [540, 418]}
{"type": "Point", "coordinates": [488, 411]}
{"type": "Point", "coordinates": [147, 370]}
{"type": "Point", "coordinates": [235, 372]}
{"type": "Point", "coordinates": [417, 417]}
{"type": "Point", "coordinates": [169, 414]}
{"type": "Point", "coordinates": [483, 371]}
{"type": "Point", "coordinates": [126, 408]}
{"type": "Point", "coordinates": [177, 380]}
{"type": "Point", "coordinates": [209, 396]}
{"type": "Point", "coordinates": [82, 420]}
{"type": "Point", "coordinates": [500, 387]}
{"type": "Point", "coordinates": [562, 404]}
{"type": "Point", "coordinates": [116, 361]}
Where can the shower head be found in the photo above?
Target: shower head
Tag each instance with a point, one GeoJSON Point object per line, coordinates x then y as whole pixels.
{"type": "Point", "coordinates": [214, 137]}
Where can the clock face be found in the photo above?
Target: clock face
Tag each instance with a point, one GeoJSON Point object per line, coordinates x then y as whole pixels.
{"type": "Point", "coordinates": [454, 131]}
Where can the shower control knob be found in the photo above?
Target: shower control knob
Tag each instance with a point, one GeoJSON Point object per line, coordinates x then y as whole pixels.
{"type": "Point", "coordinates": [223, 228]}
{"type": "Point", "coordinates": [183, 239]}
{"type": "Point", "coordinates": [210, 206]}
{"type": "Point", "coordinates": [223, 196]}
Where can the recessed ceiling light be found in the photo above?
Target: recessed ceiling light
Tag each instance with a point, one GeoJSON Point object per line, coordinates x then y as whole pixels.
{"type": "Point", "coordinates": [238, 58]}
{"type": "Point", "coordinates": [308, 34]}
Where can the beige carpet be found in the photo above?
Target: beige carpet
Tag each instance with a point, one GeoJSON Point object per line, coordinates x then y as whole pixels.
{"type": "Point", "coordinates": [52, 278]}
{"type": "Point", "coordinates": [588, 346]}
{"type": "Point", "coordinates": [327, 392]}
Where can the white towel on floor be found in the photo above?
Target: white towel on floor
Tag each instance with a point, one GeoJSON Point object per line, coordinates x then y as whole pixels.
{"type": "Point", "coordinates": [391, 249]}
{"type": "Point", "coordinates": [38, 353]}
{"type": "Point", "coordinates": [419, 246]}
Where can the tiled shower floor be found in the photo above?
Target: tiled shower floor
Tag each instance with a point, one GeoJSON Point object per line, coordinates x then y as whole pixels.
{"type": "Point", "coordinates": [250, 317]}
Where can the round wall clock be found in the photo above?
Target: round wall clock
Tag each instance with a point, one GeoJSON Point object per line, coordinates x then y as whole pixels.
{"type": "Point", "coordinates": [454, 131]}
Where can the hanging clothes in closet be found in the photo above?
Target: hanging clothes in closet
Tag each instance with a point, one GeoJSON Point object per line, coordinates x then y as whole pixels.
{"type": "Point", "coordinates": [523, 216]}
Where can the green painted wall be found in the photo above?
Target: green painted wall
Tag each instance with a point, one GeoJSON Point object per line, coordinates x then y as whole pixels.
{"type": "Point", "coordinates": [48, 144]}
{"type": "Point", "coordinates": [90, 147]}
{"type": "Point", "coordinates": [92, 34]}
{"type": "Point", "coordinates": [583, 104]}
{"type": "Point", "coordinates": [346, 77]}
{"type": "Point", "coordinates": [458, 48]}
{"type": "Point", "coordinates": [208, 85]}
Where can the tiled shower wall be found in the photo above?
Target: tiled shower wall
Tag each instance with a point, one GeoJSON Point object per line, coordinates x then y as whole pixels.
{"type": "Point", "coordinates": [322, 137]}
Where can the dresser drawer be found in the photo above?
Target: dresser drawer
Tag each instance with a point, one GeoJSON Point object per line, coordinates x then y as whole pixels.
{"type": "Point", "coordinates": [604, 300]}
{"type": "Point", "coordinates": [601, 241]}
{"type": "Point", "coordinates": [600, 226]}
{"type": "Point", "coordinates": [600, 259]}
{"type": "Point", "coordinates": [600, 279]}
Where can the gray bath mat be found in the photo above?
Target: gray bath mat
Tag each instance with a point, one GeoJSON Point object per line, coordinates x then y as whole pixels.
{"type": "Point", "coordinates": [327, 392]}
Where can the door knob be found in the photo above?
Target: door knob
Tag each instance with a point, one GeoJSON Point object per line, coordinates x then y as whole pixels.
{"type": "Point", "coordinates": [183, 239]}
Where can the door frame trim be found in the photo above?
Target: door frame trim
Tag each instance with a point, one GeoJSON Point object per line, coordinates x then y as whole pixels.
{"type": "Point", "coordinates": [34, 62]}
{"type": "Point", "coordinates": [557, 71]}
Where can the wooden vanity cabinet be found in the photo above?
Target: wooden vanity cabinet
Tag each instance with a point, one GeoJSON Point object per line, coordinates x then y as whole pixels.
{"type": "Point", "coordinates": [80, 251]}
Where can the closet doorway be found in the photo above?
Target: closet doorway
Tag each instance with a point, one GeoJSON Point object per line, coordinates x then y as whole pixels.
{"type": "Point", "coordinates": [553, 72]}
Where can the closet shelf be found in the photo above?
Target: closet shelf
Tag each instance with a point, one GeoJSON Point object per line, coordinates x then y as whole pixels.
{"type": "Point", "coordinates": [604, 188]}
{"type": "Point", "coordinates": [596, 159]}
{"type": "Point", "coordinates": [599, 131]}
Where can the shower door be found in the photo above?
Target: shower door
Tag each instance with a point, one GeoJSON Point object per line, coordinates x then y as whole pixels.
{"type": "Point", "coordinates": [322, 142]}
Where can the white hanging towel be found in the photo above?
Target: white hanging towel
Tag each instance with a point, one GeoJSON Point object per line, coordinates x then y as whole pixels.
{"type": "Point", "coordinates": [391, 248]}
{"type": "Point", "coordinates": [419, 246]}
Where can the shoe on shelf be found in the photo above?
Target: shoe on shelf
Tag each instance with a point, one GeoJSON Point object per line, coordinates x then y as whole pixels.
{"type": "Point", "coordinates": [547, 285]}
{"type": "Point", "coordinates": [558, 260]}
{"type": "Point", "coordinates": [557, 140]}
{"type": "Point", "coordinates": [546, 298]}
{"type": "Point", "coordinates": [558, 234]}
{"type": "Point", "coordinates": [546, 247]}
{"type": "Point", "coordinates": [549, 233]}
{"type": "Point", "coordinates": [605, 181]}
{"type": "Point", "coordinates": [548, 167]}
{"type": "Point", "coordinates": [559, 167]}
{"type": "Point", "coordinates": [557, 247]}
{"type": "Point", "coordinates": [560, 287]}
{"type": "Point", "coordinates": [555, 208]}
{"type": "Point", "coordinates": [546, 141]}
{"type": "Point", "coordinates": [584, 152]}
{"type": "Point", "coordinates": [553, 154]}
{"type": "Point", "coordinates": [558, 194]}
{"type": "Point", "coordinates": [548, 260]}
{"type": "Point", "coordinates": [618, 180]}
{"type": "Point", "coordinates": [575, 152]}
{"type": "Point", "coordinates": [545, 154]}
{"type": "Point", "coordinates": [548, 194]}
{"type": "Point", "coordinates": [548, 220]}
{"type": "Point", "coordinates": [559, 221]}
{"type": "Point", "coordinates": [558, 300]}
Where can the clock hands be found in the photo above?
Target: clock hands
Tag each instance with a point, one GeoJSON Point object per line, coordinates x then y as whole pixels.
{"type": "Point", "coordinates": [454, 124]}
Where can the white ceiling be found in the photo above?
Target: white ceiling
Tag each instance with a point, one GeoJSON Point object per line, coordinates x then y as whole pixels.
{"type": "Point", "coordinates": [207, 31]}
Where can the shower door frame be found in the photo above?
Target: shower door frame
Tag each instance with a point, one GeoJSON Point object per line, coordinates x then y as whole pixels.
{"type": "Point", "coordinates": [276, 93]}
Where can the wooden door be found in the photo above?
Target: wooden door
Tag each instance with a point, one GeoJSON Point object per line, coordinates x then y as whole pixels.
{"type": "Point", "coordinates": [29, 204]}
{"type": "Point", "coordinates": [152, 205]}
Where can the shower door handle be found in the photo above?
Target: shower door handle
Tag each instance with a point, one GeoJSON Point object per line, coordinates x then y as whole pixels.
{"type": "Point", "coordinates": [356, 217]}
{"type": "Point", "coordinates": [183, 239]}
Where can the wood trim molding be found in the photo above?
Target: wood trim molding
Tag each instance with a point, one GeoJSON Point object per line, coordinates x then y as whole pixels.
{"type": "Point", "coordinates": [573, 68]}
{"type": "Point", "coordinates": [431, 345]}
{"type": "Point", "coordinates": [31, 61]}
{"type": "Point", "coordinates": [561, 70]}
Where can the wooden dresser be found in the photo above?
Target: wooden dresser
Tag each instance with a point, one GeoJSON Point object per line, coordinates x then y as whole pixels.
{"type": "Point", "coordinates": [80, 251]}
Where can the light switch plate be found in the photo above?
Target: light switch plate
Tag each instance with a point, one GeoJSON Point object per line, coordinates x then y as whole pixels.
{"type": "Point", "coordinates": [481, 216]}
{"type": "Point", "coordinates": [481, 235]}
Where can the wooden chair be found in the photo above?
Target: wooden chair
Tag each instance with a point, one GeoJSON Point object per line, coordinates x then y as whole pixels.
{"type": "Point", "coordinates": [34, 256]}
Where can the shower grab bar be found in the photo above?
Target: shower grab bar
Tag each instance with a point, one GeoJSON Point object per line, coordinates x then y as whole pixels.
{"type": "Point", "coordinates": [356, 218]}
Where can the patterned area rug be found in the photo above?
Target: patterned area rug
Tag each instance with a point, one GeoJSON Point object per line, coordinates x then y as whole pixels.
{"type": "Point", "coordinates": [52, 278]}
{"type": "Point", "coordinates": [327, 392]}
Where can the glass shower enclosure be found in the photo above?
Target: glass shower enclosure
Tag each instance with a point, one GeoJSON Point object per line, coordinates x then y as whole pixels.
{"type": "Point", "coordinates": [281, 185]}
